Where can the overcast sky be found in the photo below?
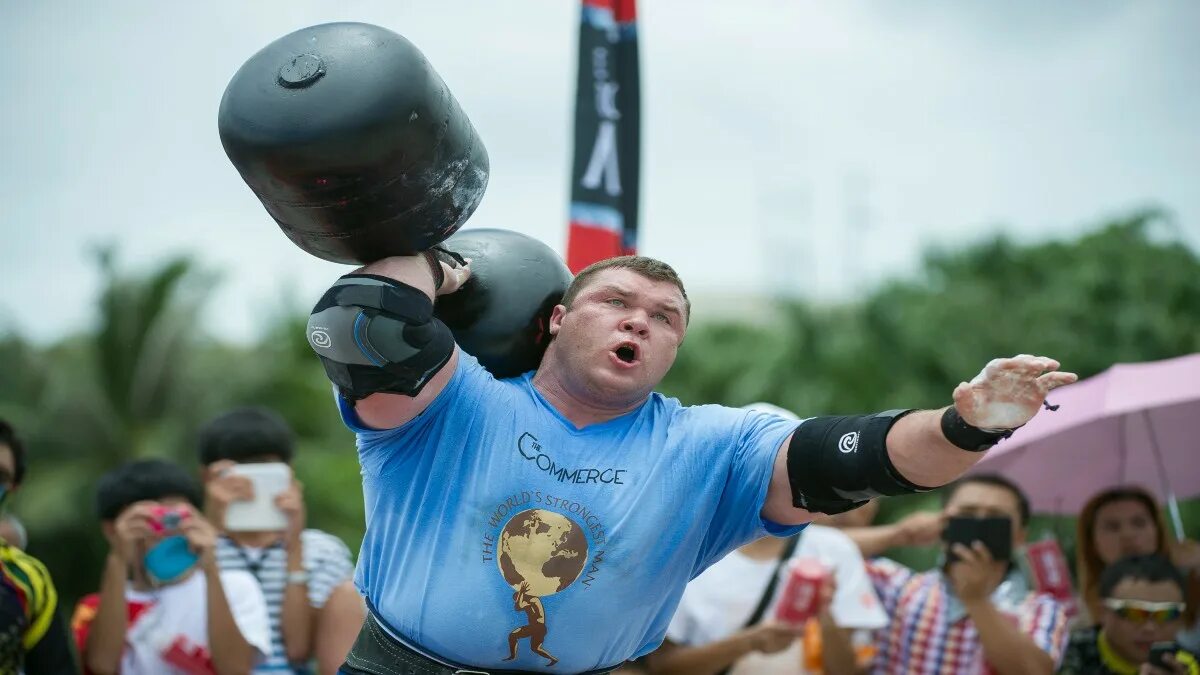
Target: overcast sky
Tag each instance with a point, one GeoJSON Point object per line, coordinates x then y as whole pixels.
{"type": "Point", "coordinates": [789, 146]}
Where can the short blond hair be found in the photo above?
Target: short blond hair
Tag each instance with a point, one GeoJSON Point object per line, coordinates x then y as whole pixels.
{"type": "Point", "coordinates": [650, 268]}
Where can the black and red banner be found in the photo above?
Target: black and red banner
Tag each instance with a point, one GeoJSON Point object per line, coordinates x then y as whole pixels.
{"type": "Point", "coordinates": [604, 175]}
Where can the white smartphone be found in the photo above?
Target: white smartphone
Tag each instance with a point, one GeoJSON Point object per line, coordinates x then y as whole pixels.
{"type": "Point", "coordinates": [259, 514]}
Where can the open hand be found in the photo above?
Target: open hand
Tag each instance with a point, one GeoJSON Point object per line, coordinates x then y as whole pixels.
{"type": "Point", "coordinates": [130, 530]}
{"type": "Point", "coordinates": [454, 278]}
{"type": "Point", "coordinates": [201, 537]}
{"type": "Point", "coordinates": [1008, 392]}
{"type": "Point", "coordinates": [224, 488]}
{"type": "Point", "coordinates": [291, 503]}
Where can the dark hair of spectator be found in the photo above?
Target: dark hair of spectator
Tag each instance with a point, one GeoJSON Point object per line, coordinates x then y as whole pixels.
{"type": "Point", "coordinates": [1152, 568]}
{"type": "Point", "coordinates": [1087, 558]}
{"type": "Point", "coordinates": [995, 480]}
{"type": "Point", "coordinates": [246, 434]}
{"type": "Point", "coordinates": [143, 480]}
{"type": "Point", "coordinates": [8, 436]}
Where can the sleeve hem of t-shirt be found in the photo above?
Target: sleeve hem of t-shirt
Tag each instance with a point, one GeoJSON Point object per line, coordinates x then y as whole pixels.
{"type": "Point", "coordinates": [350, 416]}
{"type": "Point", "coordinates": [778, 530]}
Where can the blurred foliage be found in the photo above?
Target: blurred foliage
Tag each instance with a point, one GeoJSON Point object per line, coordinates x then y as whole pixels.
{"type": "Point", "coordinates": [142, 381]}
{"type": "Point", "coordinates": [1126, 292]}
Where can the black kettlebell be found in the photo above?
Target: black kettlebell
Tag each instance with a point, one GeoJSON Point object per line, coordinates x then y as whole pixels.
{"type": "Point", "coordinates": [501, 316]}
{"type": "Point", "coordinates": [353, 143]}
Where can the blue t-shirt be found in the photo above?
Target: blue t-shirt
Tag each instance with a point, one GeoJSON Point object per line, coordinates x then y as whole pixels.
{"type": "Point", "coordinates": [491, 518]}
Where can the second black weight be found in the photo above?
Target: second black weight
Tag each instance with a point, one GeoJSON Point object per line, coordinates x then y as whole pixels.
{"type": "Point", "coordinates": [501, 316]}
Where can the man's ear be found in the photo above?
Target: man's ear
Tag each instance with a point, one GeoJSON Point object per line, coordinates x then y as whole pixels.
{"type": "Point", "coordinates": [109, 528]}
{"type": "Point", "coordinates": [556, 319]}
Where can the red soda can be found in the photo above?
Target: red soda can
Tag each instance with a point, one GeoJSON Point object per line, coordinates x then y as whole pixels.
{"type": "Point", "coordinates": [1048, 569]}
{"type": "Point", "coordinates": [801, 595]}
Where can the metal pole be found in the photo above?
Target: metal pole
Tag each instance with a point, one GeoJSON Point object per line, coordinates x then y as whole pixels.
{"type": "Point", "coordinates": [1172, 502]}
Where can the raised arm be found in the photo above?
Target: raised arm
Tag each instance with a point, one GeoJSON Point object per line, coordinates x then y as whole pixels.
{"type": "Point", "coordinates": [832, 464]}
{"type": "Point", "coordinates": [106, 638]}
{"type": "Point", "coordinates": [376, 335]}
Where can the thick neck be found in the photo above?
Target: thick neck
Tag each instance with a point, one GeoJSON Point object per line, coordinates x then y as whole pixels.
{"type": "Point", "coordinates": [580, 410]}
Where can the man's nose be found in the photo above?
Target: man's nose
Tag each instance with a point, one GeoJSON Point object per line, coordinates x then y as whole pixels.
{"type": "Point", "coordinates": [636, 324]}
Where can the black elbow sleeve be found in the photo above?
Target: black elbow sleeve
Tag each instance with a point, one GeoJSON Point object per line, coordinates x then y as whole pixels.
{"type": "Point", "coordinates": [374, 334]}
{"type": "Point", "coordinates": [839, 463]}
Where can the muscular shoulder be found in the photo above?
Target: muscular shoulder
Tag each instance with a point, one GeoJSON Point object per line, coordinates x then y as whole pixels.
{"type": "Point", "coordinates": [719, 427]}
{"type": "Point", "coordinates": [701, 421]}
{"type": "Point", "coordinates": [706, 412]}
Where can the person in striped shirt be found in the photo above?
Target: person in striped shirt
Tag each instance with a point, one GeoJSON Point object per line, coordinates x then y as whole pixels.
{"type": "Point", "coordinates": [974, 615]}
{"type": "Point", "coordinates": [305, 574]}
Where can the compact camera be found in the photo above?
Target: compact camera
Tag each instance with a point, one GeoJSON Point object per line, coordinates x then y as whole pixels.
{"type": "Point", "coordinates": [165, 519]}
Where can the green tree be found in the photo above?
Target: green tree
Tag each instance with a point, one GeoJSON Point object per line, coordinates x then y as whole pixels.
{"type": "Point", "coordinates": [99, 398]}
{"type": "Point", "coordinates": [1122, 293]}
{"type": "Point", "coordinates": [1127, 292]}
{"type": "Point", "coordinates": [141, 381]}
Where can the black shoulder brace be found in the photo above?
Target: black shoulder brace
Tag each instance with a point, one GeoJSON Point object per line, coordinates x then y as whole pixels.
{"type": "Point", "coordinates": [376, 334]}
{"type": "Point", "coordinates": [838, 463]}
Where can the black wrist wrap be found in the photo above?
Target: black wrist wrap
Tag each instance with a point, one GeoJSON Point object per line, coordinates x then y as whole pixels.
{"type": "Point", "coordinates": [437, 255]}
{"type": "Point", "coordinates": [963, 435]}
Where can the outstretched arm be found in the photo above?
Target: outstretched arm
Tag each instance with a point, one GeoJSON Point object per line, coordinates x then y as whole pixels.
{"type": "Point", "coordinates": [831, 464]}
{"type": "Point", "coordinates": [921, 528]}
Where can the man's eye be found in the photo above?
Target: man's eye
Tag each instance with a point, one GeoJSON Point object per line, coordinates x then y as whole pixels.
{"type": "Point", "coordinates": [663, 317]}
{"type": "Point", "coordinates": [616, 302]}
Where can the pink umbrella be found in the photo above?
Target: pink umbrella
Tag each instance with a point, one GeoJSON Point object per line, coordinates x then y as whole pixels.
{"type": "Point", "coordinates": [1134, 423]}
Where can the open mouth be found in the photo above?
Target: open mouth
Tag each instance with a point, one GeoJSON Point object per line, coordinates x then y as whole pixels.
{"type": "Point", "coordinates": [627, 352]}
